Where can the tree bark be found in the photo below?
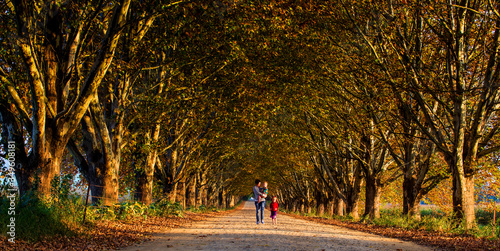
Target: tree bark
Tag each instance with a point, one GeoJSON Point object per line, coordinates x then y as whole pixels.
{"type": "Point", "coordinates": [463, 195]}
{"type": "Point", "coordinates": [229, 201]}
{"type": "Point", "coordinates": [149, 167]}
{"type": "Point", "coordinates": [191, 192]}
{"type": "Point", "coordinates": [411, 203]}
{"type": "Point", "coordinates": [320, 203]}
{"type": "Point", "coordinates": [173, 193]}
{"type": "Point", "coordinates": [221, 200]}
{"type": "Point", "coordinates": [337, 206]}
{"type": "Point", "coordinates": [204, 190]}
{"type": "Point", "coordinates": [50, 165]}
{"type": "Point", "coordinates": [352, 193]}
{"type": "Point", "coordinates": [351, 207]}
{"type": "Point", "coordinates": [372, 195]}
{"type": "Point", "coordinates": [11, 132]}
{"type": "Point", "coordinates": [54, 119]}
{"type": "Point", "coordinates": [102, 145]}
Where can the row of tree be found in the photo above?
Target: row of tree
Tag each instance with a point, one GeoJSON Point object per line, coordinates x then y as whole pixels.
{"type": "Point", "coordinates": [326, 98]}
{"type": "Point", "coordinates": [126, 91]}
{"type": "Point", "coordinates": [393, 90]}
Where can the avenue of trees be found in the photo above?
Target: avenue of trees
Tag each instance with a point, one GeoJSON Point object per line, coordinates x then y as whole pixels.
{"type": "Point", "coordinates": [333, 102]}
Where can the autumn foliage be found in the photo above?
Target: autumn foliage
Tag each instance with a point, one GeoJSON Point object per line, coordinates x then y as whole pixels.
{"type": "Point", "coordinates": [348, 108]}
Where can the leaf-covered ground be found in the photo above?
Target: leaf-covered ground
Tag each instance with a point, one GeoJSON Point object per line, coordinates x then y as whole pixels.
{"type": "Point", "coordinates": [440, 240]}
{"type": "Point", "coordinates": [239, 231]}
{"type": "Point", "coordinates": [108, 235]}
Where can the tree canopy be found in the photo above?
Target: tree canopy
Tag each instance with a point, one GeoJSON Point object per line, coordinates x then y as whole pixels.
{"type": "Point", "coordinates": [332, 102]}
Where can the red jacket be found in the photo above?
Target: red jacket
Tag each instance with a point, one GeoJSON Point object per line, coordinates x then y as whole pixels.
{"type": "Point", "coordinates": [274, 206]}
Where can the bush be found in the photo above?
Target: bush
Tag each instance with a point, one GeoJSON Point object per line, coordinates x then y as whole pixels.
{"type": "Point", "coordinates": [34, 218]}
{"type": "Point", "coordinates": [63, 213]}
{"type": "Point", "coordinates": [430, 220]}
{"type": "Point", "coordinates": [485, 217]}
{"type": "Point", "coordinates": [165, 207]}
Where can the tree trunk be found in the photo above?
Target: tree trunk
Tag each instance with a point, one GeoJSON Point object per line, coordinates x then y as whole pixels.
{"type": "Point", "coordinates": [149, 168]}
{"type": "Point", "coordinates": [319, 200]}
{"type": "Point", "coordinates": [329, 206]}
{"type": "Point", "coordinates": [48, 95]}
{"type": "Point", "coordinates": [325, 206]}
{"type": "Point", "coordinates": [411, 202]}
{"type": "Point", "coordinates": [173, 193]}
{"type": "Point", "coordinates": [352, 209]}
{"type": "Point", "coordinates": [463, 199]}
{"type": "Point", "coordinates": [352, 196]}
{"type": "Point", "coordinates": [191, 193]}
{"type": "Point", "coordinates": [209, 196]}
{"type": "Point", "coordinates": [146, 182]}
{"type": "Point", "coordinates": [414, 209]}
{"type": "Point", "coordinates": [230, 201]}
{"type": "Point", "coordinates": [200, 190]}
{"type": "Point", "coordinates": [372, 195]}
{"type": "Point", "coordinates": [111, 185]}
{"type": "Point", "coordinates": [204, 194]}
{"type": "Point", "coordinates": [338, 206]}
{"type": "Point", "coordinates": [463, 189]}
{"type": "Point", "coordinates": [11, 133]}
{"type": "Point", "coordinates": [183, 194]}
{"type": "Point", "coordinates": [221, 203]}
{"type": "Point", "coordinates": [49, 163]}
{"type": "Point", "coordinates": [103, 151]}
{"type": "Point", "coordinates": [320, 207]}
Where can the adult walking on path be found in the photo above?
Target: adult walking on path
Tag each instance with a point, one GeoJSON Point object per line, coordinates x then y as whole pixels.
{"type": "Point", "coordinates": [260, 204]}
{"type": "Point", "coordinates": [236, 231]}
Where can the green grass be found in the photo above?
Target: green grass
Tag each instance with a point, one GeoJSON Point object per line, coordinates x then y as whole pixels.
{"type": "Point", "coordinates": [34, 219]}
{"type": "Point", "coordinates": [63, 214]}
{"type": "Point", "coordinates": [431, 220]}
{"type": "Point", "coordinates": [437, 220]}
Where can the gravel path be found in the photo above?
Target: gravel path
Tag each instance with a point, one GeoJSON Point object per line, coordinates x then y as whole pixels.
{"type": "Point", "coordinates": [238, 231]}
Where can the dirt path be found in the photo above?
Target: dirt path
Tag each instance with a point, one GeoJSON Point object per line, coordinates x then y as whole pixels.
{"type": "Point", "coordinates": [238, 231]}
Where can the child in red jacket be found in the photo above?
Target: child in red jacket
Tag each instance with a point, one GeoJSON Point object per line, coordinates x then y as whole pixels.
{"type": "Point", "coordinates": [274, 210]}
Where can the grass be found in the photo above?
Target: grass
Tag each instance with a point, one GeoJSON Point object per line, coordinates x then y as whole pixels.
{"type": "Point", "coordinates": [34, 219]}
{"type": "Point", "coordinates": [436, 220]}
{"type": "Point", "coordinates": [430, 221]}
{"type": "Point", "coordinates": [433, 220]}
{"type": "Point", "coordinates": [63, 214]}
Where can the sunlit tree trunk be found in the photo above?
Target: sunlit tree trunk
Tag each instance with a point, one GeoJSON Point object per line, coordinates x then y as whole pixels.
{"type": "Point", "coordinates": [463, 191]}
{"type": "Point", "coordinates": [352, 207]}
{"type": "Point", "coordinates": [146, 182]}
{"type": "Point", "coordinates": [338, 206]}
{"type": "Point", "coordinates": [55, 118]}
{"type": "Point", "coordinates": [191, 192]}
{"type": "Point", "coordinates": [203, 188]}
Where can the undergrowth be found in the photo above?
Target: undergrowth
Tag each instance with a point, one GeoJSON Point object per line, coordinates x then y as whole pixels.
{"type": "Point", "coordinates": [433, 220]}
{"type": "Point", "coordinates": [63, 214]}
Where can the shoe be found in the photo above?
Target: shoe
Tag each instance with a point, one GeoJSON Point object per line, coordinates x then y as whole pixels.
{"type": "Point", "coordinates": [261, 222]}
{"type": "Point", "coordinates": [257, 223]}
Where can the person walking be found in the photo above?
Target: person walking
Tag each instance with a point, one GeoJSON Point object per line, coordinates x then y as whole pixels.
{"type": "Point", "coordinates": [262, 200]}
{"type": "Point", "coordinates": [259, 206]}
{"type": "Point", "coordinates": [274, 210]}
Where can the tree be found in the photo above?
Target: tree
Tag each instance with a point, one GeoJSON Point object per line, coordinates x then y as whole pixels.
{"type": "Point", "coordinates": [445, 56]}
{"type": "Point", "coordinates": [52, 39]}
